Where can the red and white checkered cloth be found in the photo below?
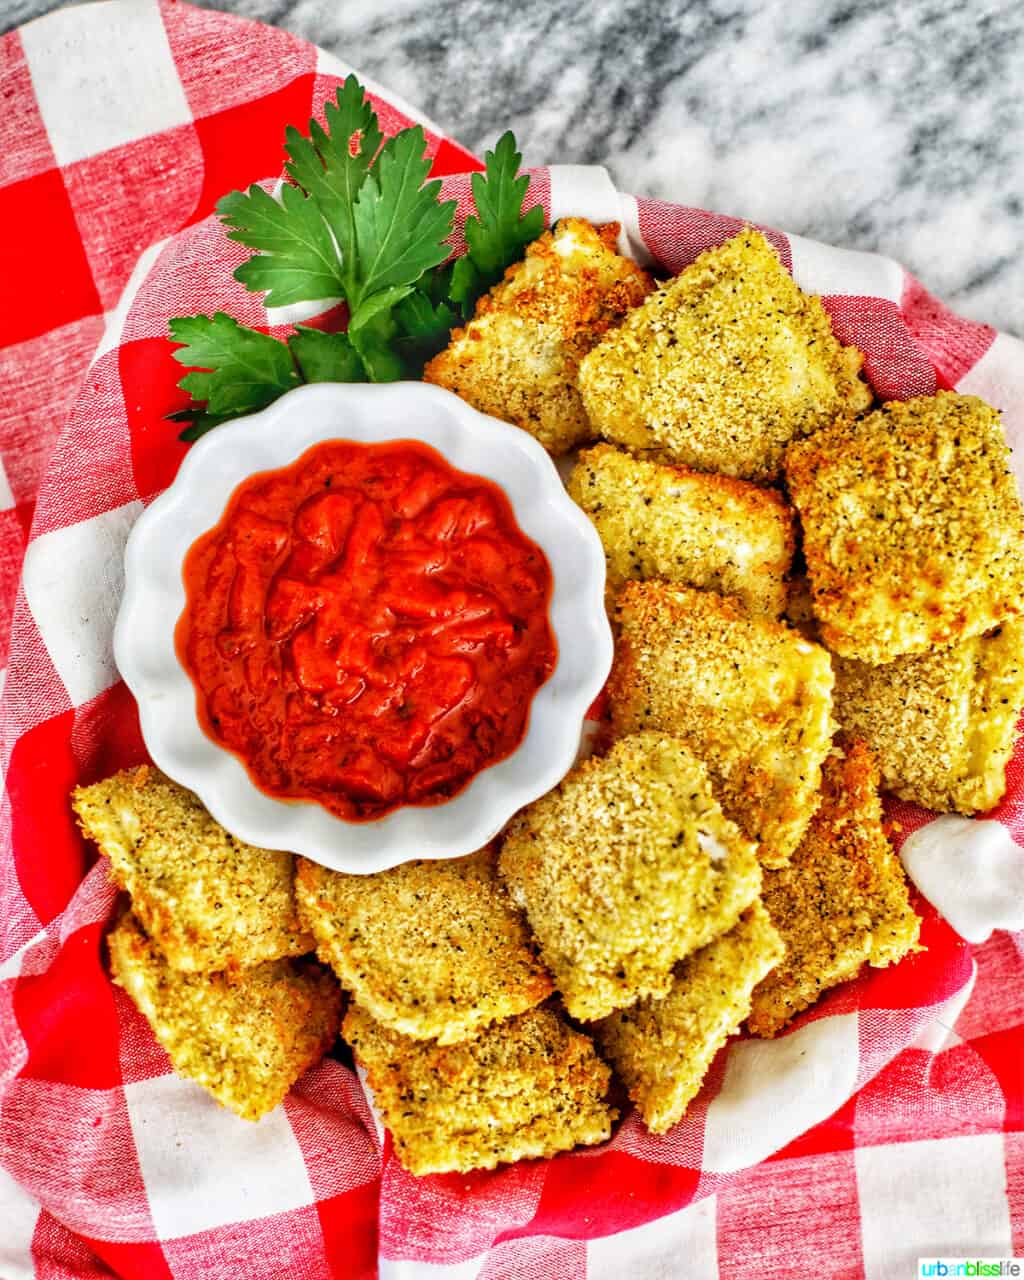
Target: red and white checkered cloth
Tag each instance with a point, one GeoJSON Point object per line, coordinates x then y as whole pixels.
{"type": "Point", "coordinates": [889, 1123]}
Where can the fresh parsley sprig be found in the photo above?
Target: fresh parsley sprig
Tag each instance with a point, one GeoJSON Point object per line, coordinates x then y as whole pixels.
{"type": "Point", "coordinates": [358, 222]}
{"type": "Point", "coordinates": [500, 232]}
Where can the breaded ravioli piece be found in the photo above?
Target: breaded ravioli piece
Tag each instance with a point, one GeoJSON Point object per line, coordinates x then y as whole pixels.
{"type": "Point", "coordinates": [518, 1090]}
{"type": "Point", "coordinates": [432, 949]}
{"type": "Point", "coordinates": [841, 902]}
{"type": "Point", "coordinates": [518, 357]}
{"type": "Point", "coordinates": [659, 521]}
{"type": "Point", "coordinates": [723, 366]}
{"type": "Point", "coordinates": [625, 868]}
{"type": "Point", "coordinates": [207, 900]}
{"type": "Point", "coordinates": [247, 1036]}
{"type": "Point", "coordinates": [662, 1047]}
{"type": "Point", "coordinates": [752, 698]}
{"type": "Point", "coordinates": [943, 723]}
{"type": "Point", "coordinates": [913, 528]}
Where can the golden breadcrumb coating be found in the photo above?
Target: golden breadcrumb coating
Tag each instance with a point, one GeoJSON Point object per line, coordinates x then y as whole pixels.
{"type": "Point", "coordinates": [723, 366]}
{"type": "Point", "coordinates": [913, 529]}
{"type": "Point", "coordinates": [207, 900]}
{"type": "Point", "coordinates": [246, 1036]}
{"type": "Point", "coordinates": [751, 697]}
{"type": "Point", "coordinates": [943, 723]}
{"type": "Point", "coordinates": [517, 358]}
{"type": "Point", "coordinates": [842, 900]}
{"type": "Point", "coordinates": [518, 1090]}
{"type": "Point", "coordinates": [659, 521]}
{"type": "Point", "coordinates": [431, 949]}
{"type": "Point", "coordinates": [625, 868]}
{"type": "Point", "coordinates": [662, 1048]}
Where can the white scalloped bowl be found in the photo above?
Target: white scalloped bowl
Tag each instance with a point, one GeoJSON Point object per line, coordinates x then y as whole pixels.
{"type": "Point", "coordinates": [154, 598]}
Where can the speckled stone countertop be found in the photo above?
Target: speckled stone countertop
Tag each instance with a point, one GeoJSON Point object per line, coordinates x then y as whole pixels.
{"type": "Point", "coordinates": [897, 127]}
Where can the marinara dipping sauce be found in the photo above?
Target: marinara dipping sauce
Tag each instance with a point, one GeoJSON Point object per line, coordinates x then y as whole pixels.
{"type": "Point", "coordinates": [367, 627]}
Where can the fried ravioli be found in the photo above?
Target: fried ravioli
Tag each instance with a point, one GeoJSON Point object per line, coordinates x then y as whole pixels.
{"type": "Point", "coordinates": [662, 1048]}
{"type": "Point", "coordinates": [913, 528]}
{"type": "Point", "coordinates": [431, 949]}
{"type": "Point", "coordinates": [517, 358]}
{"type": "Point", "coordinates": [841, 902]}
{"type": "Point", "coordinates": [658, 521]}
{"type": "Point", "coordinates": [723, 366]}
{"type": "Point", "coordinates": [206, 899]}
{"type": "Point", "coordinates": [245, 1037]}
{"type": "Point", "coordinates": [625, 868]}
{"type": "Point", "coordinates": [942, 724]}
{"type": "Point", "coordinates": [750, 697]}
{"type": "Point", "coordinates": [519, 1090]}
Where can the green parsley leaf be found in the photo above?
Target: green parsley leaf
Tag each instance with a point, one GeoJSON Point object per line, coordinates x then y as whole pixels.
{"type": "Point", "coordinates": [374, 340]}
{"type": "Point", "coordinates": [467, 284]}
{"type": "Point", "coordinates": [297, 260]}
{"type": "Point", "coordinates": [362, 223]}
{"type": "Point", "coordinates": [400, 224]}
{"type": "Point", "coordinates": [423, 328]}
{"type": "Point", "coordinates": [331, 165]}
{"type": "Point", "coordinates": [326, 357]}
{"type": "Point", "coordinates": [422, 319]}
{"type": "Point", "coordinates": [236, 370]}
{"type": "Point", "coordinates": [437, 284]}
{"type": "Point", "coordinates": [498, 234]}
{"type": "Point", "coordinates": [376, 304]}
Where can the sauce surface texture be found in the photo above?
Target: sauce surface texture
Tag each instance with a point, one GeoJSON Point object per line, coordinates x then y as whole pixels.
{"type": "Point", "coordinates": [367, 627]}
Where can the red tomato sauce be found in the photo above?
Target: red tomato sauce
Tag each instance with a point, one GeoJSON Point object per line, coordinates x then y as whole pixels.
{"type": "Point", "coordinates": [366, 628]}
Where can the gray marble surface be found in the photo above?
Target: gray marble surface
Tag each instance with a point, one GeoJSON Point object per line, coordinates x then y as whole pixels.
{"type": "Point", "coordinates": [895, 125]}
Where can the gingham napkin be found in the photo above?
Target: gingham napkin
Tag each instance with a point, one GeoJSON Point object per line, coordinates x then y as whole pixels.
{"type": "Point", "coordinates": [887, 1124]}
